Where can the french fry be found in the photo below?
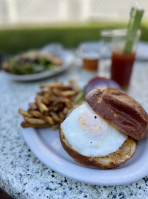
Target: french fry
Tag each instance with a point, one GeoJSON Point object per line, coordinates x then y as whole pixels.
{"type": "Point", "coordinates": [74, 85]}
{"type": "Point", "coordinates": [68, 103]}
{"type": "Point", "coordinates": [43, 117]}
{"type": "Point", "coordinates": [51, 85]}
{"type": "Point", "coordinates": [57, 99]}
{"type": "Point", "coordinates": [48, 119]}
{"type": "Point", "coordinates": [56, 85]}
{"type": "Point", "coordinates": [55, 117]}
{"type": "Point", "coordinates": [57, 92]}
{"type": "Point", "coordinates": [61, 115]}
{"type": "Point", "coordinates": [35, 113]}
{"type": "Point", "coordinates": [46, 100]}
{"type": "Point", "coordinates": [68, 93]}
{"type": "Point", "coordinates": [24, 113]}
{"type": "Point", "coordinates": [51, 105]}
{"type": "Point", "coordinates": [43, 108]}
{"type": "Point", "coordinates": [25, 124]}
{"type": "Point", "coordinates": [34, 120]}
{"type": "Point", "coordinates": [33, 106]}
{"type": "Point", "coordinates": [55, 127]}
{"type": "Point", "coordinates": [47, 94]}
{"type": "Point", "coordinates": [65, 110]}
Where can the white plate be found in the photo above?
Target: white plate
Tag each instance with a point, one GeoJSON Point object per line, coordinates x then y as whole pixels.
{"type": "Point", "coordinates": [45, 144]}
{"type": "Point", "coordinates": [67, 58]}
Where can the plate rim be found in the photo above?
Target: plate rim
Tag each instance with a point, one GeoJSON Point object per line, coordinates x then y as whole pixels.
{"type": "Point", "coordinates": [44, 74]}
{"type": "Point", "coordinates": [132, 177]}
{"type": "Point", "coordinates": [137, 173]}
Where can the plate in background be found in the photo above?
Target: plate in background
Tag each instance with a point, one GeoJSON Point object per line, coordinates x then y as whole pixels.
{"type": "Point", "coordinates": [67, 58]}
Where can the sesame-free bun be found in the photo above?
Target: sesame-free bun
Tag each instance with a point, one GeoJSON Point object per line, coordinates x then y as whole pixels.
{"type": "Point", "coordinates": [121, 110]}
{"type": "Point", "coordinates": [112, 160]}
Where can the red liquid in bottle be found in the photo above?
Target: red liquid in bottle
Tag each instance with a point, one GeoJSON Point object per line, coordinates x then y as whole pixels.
{"type": "Point", "coordinates": [121, 68]}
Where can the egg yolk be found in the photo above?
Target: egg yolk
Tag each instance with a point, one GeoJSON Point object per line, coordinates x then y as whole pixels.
{"type": "Point", "coordinates": [91, 123]}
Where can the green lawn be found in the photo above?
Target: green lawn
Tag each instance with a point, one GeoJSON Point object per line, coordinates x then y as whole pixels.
{"type": "Point", "coordinates": [14, 40]}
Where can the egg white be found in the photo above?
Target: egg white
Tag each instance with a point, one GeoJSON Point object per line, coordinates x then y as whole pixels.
{"type": "Point", "coordinates": [89, 134]}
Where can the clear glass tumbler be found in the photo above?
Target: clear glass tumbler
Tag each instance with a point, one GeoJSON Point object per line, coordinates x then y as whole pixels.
{"type": "Point", "coordinates": [121, 62]}
{"type": "Point", "coordinates": [105, 53]}
{"type": "Point", "coordinates": [89, 52]}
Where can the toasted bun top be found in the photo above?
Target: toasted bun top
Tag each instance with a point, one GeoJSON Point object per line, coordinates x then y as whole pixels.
{"type": "Point", "coordinates": [120, 110]}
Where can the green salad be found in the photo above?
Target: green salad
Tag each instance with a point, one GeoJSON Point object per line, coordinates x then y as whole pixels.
{"type": "Point", "coordinates": [24, 65]}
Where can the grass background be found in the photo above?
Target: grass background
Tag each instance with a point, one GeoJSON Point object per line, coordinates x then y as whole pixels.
{"type": "Point", "coordinates": [16, 39]}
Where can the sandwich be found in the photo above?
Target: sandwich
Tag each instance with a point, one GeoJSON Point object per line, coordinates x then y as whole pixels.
{"type": "Point", "coordinates": [104, 130]}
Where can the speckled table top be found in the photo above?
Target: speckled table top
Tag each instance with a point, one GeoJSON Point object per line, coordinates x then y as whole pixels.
{"type": "Point", "coordinates": [23, 176]}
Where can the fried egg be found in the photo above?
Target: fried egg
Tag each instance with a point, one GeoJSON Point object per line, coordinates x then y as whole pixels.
{"type": "Point", "coordinates": [91, 135]}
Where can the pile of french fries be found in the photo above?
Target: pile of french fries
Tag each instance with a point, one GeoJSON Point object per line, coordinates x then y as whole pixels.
{"type": "Point", "coordinates": [51, 105]}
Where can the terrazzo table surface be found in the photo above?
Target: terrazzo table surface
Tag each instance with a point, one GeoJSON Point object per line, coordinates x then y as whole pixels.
{"type": "Point", "coordinates": [23, 176]}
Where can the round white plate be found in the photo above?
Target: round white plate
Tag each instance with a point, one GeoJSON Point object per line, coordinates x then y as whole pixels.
{"type": "Point", "coordinates": [67, 58]}
{"type": "Point", "coordinates": [45, 144]}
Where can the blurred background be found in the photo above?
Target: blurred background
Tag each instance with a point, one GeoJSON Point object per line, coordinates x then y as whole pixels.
{"type": "Point", "coordinates": [29, 24]}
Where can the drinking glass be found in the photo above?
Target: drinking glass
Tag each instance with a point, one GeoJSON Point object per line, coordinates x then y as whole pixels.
{"type": "Point", "coordinates": [105, 53]}
{"type": "Point", "coordinates": [89, 52]}
{"type": "Point", "coordinates": [113, 60]}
